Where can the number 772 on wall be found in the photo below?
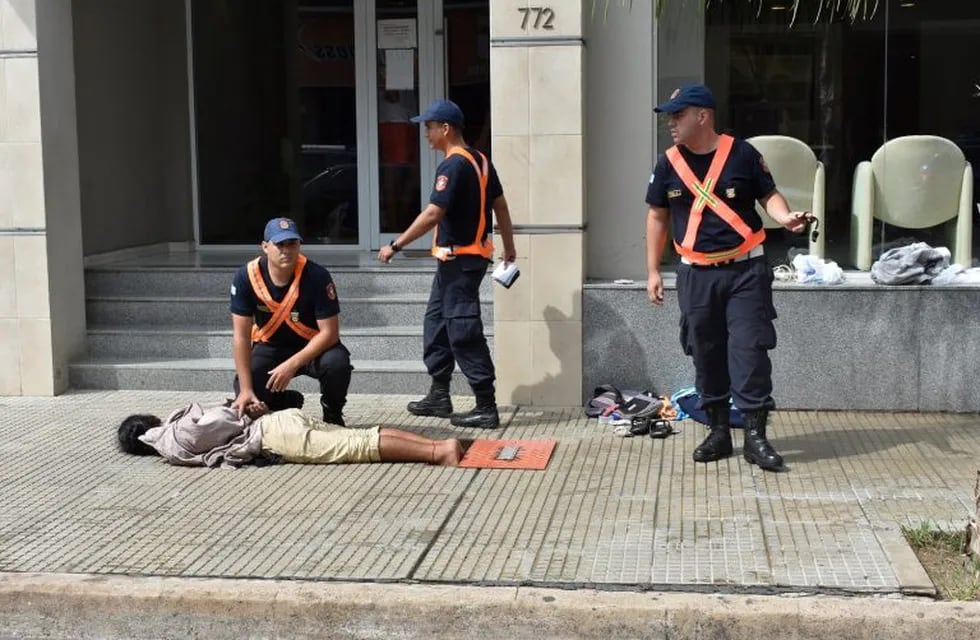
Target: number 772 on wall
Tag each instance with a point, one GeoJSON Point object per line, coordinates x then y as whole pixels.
{"type": "Point", "coordinates": [544, 18]}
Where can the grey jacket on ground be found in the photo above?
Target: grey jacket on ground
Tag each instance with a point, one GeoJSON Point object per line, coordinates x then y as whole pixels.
{"type": "Point", "coordinates": [211, 437]}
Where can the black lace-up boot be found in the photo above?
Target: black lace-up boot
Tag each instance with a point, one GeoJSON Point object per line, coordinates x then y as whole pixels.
{"type": "Point", "coordinates": [756, 448]}
{"type": "Point", "coordinates": [436, 403]}
{"type": "Point", "coordinates": [718, 444]}
{"type": "Point", "coordinates": [484, 415]}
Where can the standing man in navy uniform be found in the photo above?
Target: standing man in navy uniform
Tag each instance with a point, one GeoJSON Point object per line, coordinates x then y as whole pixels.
{"type": "Point", "coordinates": [706, 187]}
{"type": "Point", "coordinates": [466, 194]}
{"type": "Point", "coordinates": [286, 321]}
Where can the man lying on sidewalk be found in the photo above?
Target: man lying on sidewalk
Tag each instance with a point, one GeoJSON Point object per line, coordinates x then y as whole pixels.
{"type": "Point", "coordinates": [218, 436]}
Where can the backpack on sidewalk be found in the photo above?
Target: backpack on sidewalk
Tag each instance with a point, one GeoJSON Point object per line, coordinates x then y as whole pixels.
{"type": "Point", "coordinates": [629, 403]}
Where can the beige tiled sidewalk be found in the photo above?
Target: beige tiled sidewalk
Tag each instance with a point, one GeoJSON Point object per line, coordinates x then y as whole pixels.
{"type": "Point", "coordinates": [609, 513]}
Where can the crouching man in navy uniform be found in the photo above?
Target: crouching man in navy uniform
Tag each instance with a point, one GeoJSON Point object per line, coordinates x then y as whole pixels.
{"type": "Point", "coordinates": [464, 198]}
{"type": "Point", "coordinates": [286, 321]}
{"type": "Point", "coordinates": [706, 187]}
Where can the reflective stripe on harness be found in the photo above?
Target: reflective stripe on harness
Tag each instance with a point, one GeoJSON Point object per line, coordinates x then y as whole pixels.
{"type": "Point", "coordinates": [280, 310]}
{"type": "Point", "coordinates": [706, 198]}
{"type": "Point", "coordinates": [479, 246]}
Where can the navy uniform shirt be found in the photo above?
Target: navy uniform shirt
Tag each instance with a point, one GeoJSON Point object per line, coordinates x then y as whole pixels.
{"type": "Point", "coordinates": [744, 180]}
{"type": "Point", "coordinates": [317, 300]}
{"type": "Point", "coordinates": [457, 190]}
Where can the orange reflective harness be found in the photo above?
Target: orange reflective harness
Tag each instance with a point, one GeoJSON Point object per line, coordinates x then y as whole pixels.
{"type": "Point", "coordinates": [280, 310]}
{"type": "Point", "coordinates": [480, 246]}
{"type": "Point", "coordinates": [705, 198]}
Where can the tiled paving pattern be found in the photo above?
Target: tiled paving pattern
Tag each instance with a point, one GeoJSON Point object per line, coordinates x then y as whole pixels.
{"type": "Point", "coordinates": [608, 512]}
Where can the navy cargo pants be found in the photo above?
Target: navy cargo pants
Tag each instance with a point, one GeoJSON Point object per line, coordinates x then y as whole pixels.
{"type": "Point", "coordinates": [453, 330]}
{"type": "Point", "coordinates": [332, 369]}
{"type": "Point", "coordinates": [726, 327]}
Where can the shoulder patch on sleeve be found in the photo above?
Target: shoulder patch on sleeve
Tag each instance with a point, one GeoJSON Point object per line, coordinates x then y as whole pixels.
{"type": "Point", "coordinates": [762, 161]}
{"type": "Point", "coordinates": [331, 291]}
{"type": "Point", "coordinates": [234, 289]}
{"type": "Point", "coordinates": [652, 177]}
{"type": "Point", "coordinates": [442, 181]}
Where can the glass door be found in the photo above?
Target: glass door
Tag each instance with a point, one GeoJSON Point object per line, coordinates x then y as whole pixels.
{"type": "Point", "coordinates": [397, 90]}
{"type": "Point", "coordinates": [407, 65]}
{"type": "Point", "coordinates": [423, 50]}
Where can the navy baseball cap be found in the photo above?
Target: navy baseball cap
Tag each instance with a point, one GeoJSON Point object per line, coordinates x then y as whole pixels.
{"type": "Point", "coordinates": [691, 95]}
{"type": "Point", "coordinates": [281, 229]}
{"type": "Point", "coordinates": [441, 111]}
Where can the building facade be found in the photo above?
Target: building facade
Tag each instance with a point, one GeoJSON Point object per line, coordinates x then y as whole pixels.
{"type": "Point", "coordinates": [190, 122]}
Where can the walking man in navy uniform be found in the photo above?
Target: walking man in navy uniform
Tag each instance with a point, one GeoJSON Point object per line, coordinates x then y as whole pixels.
{"type": "Point", "coordinates": [464, 198]}
{"type": "Point", "coordinates": [286, 322]}
{"type": "Point", "coordinates": [705, 187]}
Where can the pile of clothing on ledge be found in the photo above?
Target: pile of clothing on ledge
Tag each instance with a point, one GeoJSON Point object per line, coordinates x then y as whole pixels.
{"type": "Point", "coordinates": [919, 263]}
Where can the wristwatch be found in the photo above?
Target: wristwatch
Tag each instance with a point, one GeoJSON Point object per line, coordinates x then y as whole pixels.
{"type": "Point", "coordinates": [395, 246]}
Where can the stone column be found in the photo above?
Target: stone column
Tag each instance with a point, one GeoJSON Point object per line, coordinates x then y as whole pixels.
{"type": "Point", "coordinates": [42, 300]}
{"type": "Point", "coordinates": [536, 77]}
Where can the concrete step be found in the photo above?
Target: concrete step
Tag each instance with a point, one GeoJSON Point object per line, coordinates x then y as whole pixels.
{"type": "Point", "coordinates": [217, 374]}
{"type": "Point", "coordinates": [364, 343]}
{"type": "Point", "coordinates": [212, 313]}
{"type": "Point", "coordinates": [175, 282]}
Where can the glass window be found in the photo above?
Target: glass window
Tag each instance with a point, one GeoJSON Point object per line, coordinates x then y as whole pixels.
{"type": "Point", "coordinates": [842, 88]}
{"type": "Point", "coordinates": [323, 63]}
{"type": "Point", "coordinates": [275, 115]}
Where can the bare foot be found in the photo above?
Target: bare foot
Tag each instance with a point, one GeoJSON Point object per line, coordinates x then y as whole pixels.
{"type": "Point", "coordinates": [449, 453]}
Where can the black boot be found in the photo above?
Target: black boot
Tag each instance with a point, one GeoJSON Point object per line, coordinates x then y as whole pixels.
{"type": "Point", "coordinates": [332, 414]}
{"type": "Point", "coordinates": [718, 444]}
{"type": "Point", "coordinates": [484, 415]}
{"type": "Point", "coordinates": [756, 448]}
{"type": "Point", "coordinates": [436, 403]}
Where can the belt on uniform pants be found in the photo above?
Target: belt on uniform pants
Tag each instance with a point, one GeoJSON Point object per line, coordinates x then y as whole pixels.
{"type": "Point", "coordinates": [757, 252]}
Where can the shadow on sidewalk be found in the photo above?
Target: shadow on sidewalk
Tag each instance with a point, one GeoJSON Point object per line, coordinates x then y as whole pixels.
{"type": "Point", "coordinates": [842, 443]}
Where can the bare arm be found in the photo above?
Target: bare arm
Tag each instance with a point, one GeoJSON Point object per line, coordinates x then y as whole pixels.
{"type": "Point", "coordinates": [242, 350]}
{"type": "Point", "coordinates": [423, 222]}
{"type": "Point", "coordinates": [657, 229]}
{"type": "Point", "coordinates": [502, 211]}
{"type": "Point", "coordinates": [778, 209]}
{"type": "Point", "coordinates": [327, 336]}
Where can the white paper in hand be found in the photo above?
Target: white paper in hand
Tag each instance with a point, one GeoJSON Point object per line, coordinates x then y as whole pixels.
{"type": "Point", "coordinates": [506, 273]}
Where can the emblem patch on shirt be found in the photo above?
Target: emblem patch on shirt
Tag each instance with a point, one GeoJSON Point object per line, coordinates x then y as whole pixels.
{"type": "Point", "coordinates": [294, 316]}
{"type": "Point", "coordinates": [652, 176]}
{"type": "Point", "coordinates": [331, 291]}
{"type": "Point", "coordinates": [730, 193]}
{"type": "Point", "coordinates": [675, 193]}
{"type": "Point", "coordinates": [765, 167]}
{"type": "Point", "coordinates": [234, 291]}
{"type": "Point", "coordinates": [442, 182]}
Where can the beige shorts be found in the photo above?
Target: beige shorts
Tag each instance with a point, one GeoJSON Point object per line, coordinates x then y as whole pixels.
{"type": "Point", "coordinates": [301, 438]}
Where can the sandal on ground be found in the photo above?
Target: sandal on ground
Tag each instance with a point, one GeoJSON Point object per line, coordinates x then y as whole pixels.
{"type": "Point", "coordinates": [660, 428]}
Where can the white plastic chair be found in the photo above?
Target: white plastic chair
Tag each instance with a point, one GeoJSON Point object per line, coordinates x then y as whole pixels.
{"type": "Point", "coordinates": [913, 182]}
{"type": "Point", "coordinates": [799, 177]}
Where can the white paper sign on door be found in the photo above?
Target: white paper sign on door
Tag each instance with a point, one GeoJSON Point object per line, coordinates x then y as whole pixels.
{"type": "Point", "coordinates": [397, 33]}
{"type": "Point", "coordinates": [399, 69]}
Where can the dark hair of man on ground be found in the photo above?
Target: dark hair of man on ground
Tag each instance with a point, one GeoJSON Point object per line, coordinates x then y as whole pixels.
{"type": "Point", "coordinates": [131, 429]}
